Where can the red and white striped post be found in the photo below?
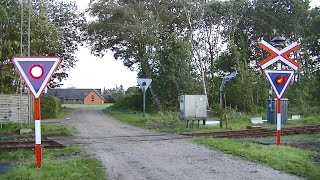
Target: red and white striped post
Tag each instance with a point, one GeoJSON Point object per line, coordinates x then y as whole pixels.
{"type": "Point", "coordinates": [279, 55]}
{"type": "Point", "coordinates": [37, 130]}
{"type": "Point", "coordinates": [278, 121]}
{"type": "Point", "coordinates": [36, 72]}
{"type": "Point", "coordinates": [279, 67]}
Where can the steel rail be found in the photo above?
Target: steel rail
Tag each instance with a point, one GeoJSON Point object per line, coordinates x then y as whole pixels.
{"type": "Point", "coordinates": [258, 132]}
{"type": "Point", "coordinates": [14, 145]}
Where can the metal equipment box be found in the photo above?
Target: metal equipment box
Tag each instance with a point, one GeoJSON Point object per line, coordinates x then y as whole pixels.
{"type": "Point", "coordinates": [193, 106]}
{"type": "Point", "coordinates": [272, 110]}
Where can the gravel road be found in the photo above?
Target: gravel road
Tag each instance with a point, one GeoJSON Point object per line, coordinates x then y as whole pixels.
{"type": "Point", "coordinates": [132, 153]}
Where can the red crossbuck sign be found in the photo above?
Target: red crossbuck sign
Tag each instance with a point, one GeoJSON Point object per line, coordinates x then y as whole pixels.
{"type": "Point", "coordinates": [276, 55]}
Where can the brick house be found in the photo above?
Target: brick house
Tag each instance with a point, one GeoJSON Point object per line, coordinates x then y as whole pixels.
{"type": "Point", "coordinates": [77, 96]}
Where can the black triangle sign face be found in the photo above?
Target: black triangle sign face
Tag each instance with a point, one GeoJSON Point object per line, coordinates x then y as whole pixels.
{"type": "Point", "coordinates": [279, 80]}
{"type": "Point", "coordinates": [36, 71]}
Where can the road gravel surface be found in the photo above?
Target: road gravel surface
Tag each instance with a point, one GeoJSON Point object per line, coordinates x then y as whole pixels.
{"type": "Point", "coordinates": [131, 153]}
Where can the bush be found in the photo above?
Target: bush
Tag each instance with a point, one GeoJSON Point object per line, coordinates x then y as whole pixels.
{"type": "Point", "coordinates": [304, 111]}
{"type": "Point", "coordinates": [50, 107]}
{"type": "Point", "coordinates": [129, 102]}
{"type": "Point", "coordinates": [163, 121]}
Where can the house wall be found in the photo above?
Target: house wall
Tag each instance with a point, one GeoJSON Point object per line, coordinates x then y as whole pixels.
{"type": "Point", "coordinates": [92, 98]}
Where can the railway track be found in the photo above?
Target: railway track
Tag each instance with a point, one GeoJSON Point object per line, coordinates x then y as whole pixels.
{"type": "Point", "coordinates": [263, 132]}
{"type": "Point", "coordinates": [14, 145]}
{"type": "Point", "coordinates": [259, 132]}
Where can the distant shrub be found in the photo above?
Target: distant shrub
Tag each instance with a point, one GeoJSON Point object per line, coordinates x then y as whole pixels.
{"type": "Point", "coordinates": [129, 102]}
{"type": "Point", "coordinates": [50, 107]}
{"type": "Point", "coordinates": [304, 111]}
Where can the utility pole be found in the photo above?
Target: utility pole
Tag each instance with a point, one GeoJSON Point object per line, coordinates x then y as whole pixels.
{"type": "Point", "coordinates": [25, 47]}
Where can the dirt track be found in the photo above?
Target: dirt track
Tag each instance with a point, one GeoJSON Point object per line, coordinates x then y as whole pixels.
{"type": "Point", "coordinates": [132, 153]}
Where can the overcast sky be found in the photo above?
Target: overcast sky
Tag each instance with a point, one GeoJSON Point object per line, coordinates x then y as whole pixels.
{"type": "Point", "coordinates": [96, 72]}
{"type": "Point", "coordinates": [106, 72]}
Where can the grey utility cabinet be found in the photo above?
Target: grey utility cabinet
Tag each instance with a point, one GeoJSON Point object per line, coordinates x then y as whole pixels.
{"type": "Point", "coordinates": [193, 106]}
{"type": "Point", "coordinates": [272, 110]}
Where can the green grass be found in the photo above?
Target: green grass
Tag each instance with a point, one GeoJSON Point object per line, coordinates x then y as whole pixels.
{"type": "Point", "coordinates": [307, 120]}
{"type": "Point", "coordinates": [66, 163]}
{"type": "Point", "coordinates": [170, 122]}
{"type": "Point", "coordinates": [24, 155]}
{"type": "Point", "coordinates": [86, 106]}
{"type": "Point", "coordinates": [242, 120]}
{"type": "Point", "coordinates": [69, 169]}
{"type": "Point", "coordinates": [8, 131]}
{"type": "Point", "coordinates": [63, 112]}
{"type": "Point", "coordinates": [10, 127]}
{"type": "Point", "coordinates": [129, 117]}
{"type": "Point", "coordinates": [166, 122]}
{"type": "Point", "coordinates": [284, 158]}
{"type": "Point", "coordinates": [299, 137]}
{"type": "Point", "coordinates": [48, 130]}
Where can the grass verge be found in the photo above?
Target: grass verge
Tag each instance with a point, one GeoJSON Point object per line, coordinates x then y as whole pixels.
{"type": "Point", "coordinates": [71, 169]}
{"type": "Point", "coordinates": [87, 106]}
{"type": "Point", "coordinates": [170, 122]}
{"type": "Point", "coordinates": [300, 162]}
{"type": "Point", "coordinates": [48, 130]}
{"type": "Point", "coordinates": [165, 122]}
{"type": "Point", "coordinates": [284, 158]}
{"type": "Point", "coordinates": [66, 163]}
{"type": "Point", "coordinates": [9, 131]}
{"type": "Point", "coordinates": [63, 112]}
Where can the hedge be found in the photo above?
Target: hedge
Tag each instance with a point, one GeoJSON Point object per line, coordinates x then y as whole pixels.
{"type": "Point", "coordinates": [50, 107]}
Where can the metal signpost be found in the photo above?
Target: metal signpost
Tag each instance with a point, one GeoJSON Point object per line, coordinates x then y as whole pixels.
{"type": "Point", "coordinates": [144, 84]}
{"type": "Point", "coordinates": [225, 79]}
{"type": "Point", "coordinates": [279, 79]}
{"type": "Point", "coordinates": [36, 72]}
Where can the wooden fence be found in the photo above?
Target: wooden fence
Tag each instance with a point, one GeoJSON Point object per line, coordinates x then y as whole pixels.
{"type": "Point", "coordinates": [16, 108]}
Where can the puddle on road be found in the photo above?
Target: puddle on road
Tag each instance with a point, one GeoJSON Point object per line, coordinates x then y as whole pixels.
{"type": "Point", "coordinates": [4, 168]}
{"type": "Point", "coordinates": [271, 142]}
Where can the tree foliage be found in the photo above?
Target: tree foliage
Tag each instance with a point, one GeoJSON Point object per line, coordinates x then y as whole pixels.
{"type": "Point", "coordinates": [54, 31]}
{"type": "Point", "coordinates": [188, 46]}
{"type": "Point", "coordinates": [114, 94]}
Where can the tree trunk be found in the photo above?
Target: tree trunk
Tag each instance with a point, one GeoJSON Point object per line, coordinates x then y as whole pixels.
{"type": "Point", "coordinates": [156, 99]}
{"type": "Point", "coordinates": [147, 72]}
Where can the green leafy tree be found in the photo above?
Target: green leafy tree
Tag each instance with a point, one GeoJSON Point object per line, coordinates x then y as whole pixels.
{"type": "Point", "coordinates": [9, 45]}
{"type": "Point", "coordinates": [54, 31]}
{"type": "Point", "coordinates": [246, 24]}
{"type": "Point", "coordinates": [172, 73]}
{"type": "Point", "coordinates": [114, 94]}
{"type": "Point", "coordinates": [66, 17]}
{"type": "Point", "coordinates": [133, 31]}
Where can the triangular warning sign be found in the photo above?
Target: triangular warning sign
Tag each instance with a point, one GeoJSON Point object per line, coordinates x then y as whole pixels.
{"type": "Point", "coordinates": [144, 83]}
{"type": "Point", "coordinates": [279, 80]}
{"type": "Point", "coordinates": [36, 71]}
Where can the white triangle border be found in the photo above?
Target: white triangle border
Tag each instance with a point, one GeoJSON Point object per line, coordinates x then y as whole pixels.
{"type": "Point", "coordinates": [17, 60]}
{"type": "Point", "coordinates": [279, 95]}
{"type": "Point", "coordinates": [141, 80]}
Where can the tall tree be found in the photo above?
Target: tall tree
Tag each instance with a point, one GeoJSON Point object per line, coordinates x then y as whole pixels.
{"type": "Point", "coordinates": [132, 29]}
{"type": "Point", "coordinates": [9, 44]}
{"type": "Point", "coordinates": [54, 31]}
{"type": "Point", "coordinates": [68, 20]}
{"type": "Point", "coordinates": [173, 74]}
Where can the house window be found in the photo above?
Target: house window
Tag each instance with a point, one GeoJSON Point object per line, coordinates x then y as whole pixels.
{"type": "Point", "coordinates": [92, 97]}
